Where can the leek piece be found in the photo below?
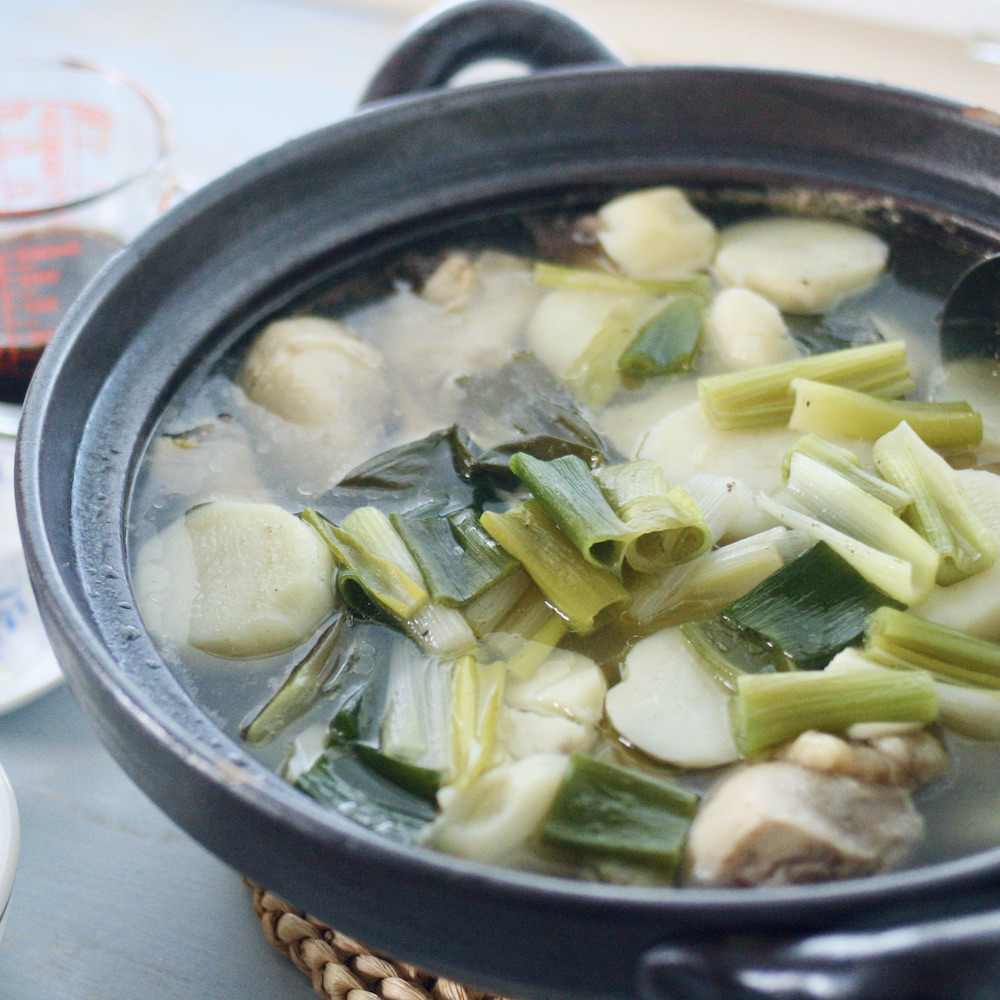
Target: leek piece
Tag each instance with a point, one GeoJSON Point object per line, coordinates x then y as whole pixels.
{"type": "Point", "coordinates": [727, 573]}
{"type": "Point", "coordinates": [415, 726]}
{"type": "Point", "coordinates": [339, 781]}
{"type": "Point", "coordinates": [477, 694]}
{"type": "Point", "coordinates": [595, 376]}
{"type": "Point", "coordinates": [524, 407]}
{"type": "Point", "coordinates": [300, 689]}
{"type": "Point", "coordinates": [666, 524]}
{"type": "Point", "coordinates": [577, 590]}
{"type": "Point", "coordinates": [772, 708]}
{"type": "Point", "coordinates": [380, 580]}
{"type": "Point", "coordinates": [896, 638]}
{"type": "Point", "coordinates": [439, 630]}
{"type": "Point", "coordinates": [721, 500]}
{"type": "Point", "coordinates": [759, 396]}
{"type": "Point", "coordinates": [941, 511]}
{"type": "Point", "coordinates": [608, 810]}
{"type": "Point", "coordinates": [457, 559]}
{"type": "Point", "coordinates": [423, 782]}
{"type": "Point", "coordinates": [536, 648]}
{"type": "Point", "coordinates": [485, 612]}
{"type": "Point", "coordinates": [588, 279]}
{"type": "Point", "coordinates": [667, 342]}
{"type": "Point", "coordinates": [834, 409]}
{"type": "Point", "coordinates": [973, 712]}
{"type": "Point", "coordinates": [848, 465]}
{"type": "Point", "coordinates": [883, 548]}
{"type": "Point", "coordinates": [729, 651]}
{"type": "Point", "coordinates": [809, 610]}
{"type": "Point", "coordinates": [567, 491]}
{"type": "Point", "coordinates": [970, 712]}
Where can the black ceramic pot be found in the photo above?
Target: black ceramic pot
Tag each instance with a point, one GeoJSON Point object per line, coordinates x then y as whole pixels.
{"type": "Point", "coordinates": [245, 245]}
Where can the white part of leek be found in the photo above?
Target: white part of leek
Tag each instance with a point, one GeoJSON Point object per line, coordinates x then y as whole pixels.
{"type": "Point", "coordinates": [971, 712]}
{"type": "Point", "coordinates": [417, 723]}
{"type": "Point", "coordinates": [972, 605]}
{"type": "Point", "coordinates": [668, 706]}
{"type": "Point", "coordinates": [856, 525]}
{"type": "Point", "coordinates": [496, 814]}
{"type": "Point", "coordinates": [723, 501]}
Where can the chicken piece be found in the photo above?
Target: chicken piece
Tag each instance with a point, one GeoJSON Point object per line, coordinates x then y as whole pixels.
{"type": "Point", "coordinates": [452, 283]}
{"type": "Point", "coordinates": [780, 824]}
{"type": "Point", "coordinates": [904, 759]}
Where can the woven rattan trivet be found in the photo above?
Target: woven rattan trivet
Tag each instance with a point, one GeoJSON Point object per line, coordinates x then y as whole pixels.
{"type": "Point", "coordinates": [340, 967]}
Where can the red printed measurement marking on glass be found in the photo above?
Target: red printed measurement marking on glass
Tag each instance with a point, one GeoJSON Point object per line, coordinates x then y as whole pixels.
{"type": "Point", "coordinates": [41, 273]}
{"type": "Point", "coordinates": [51, 152]}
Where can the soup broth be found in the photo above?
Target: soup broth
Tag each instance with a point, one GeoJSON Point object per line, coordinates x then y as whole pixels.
{"type": "Point", "coordinates": [446, 361]}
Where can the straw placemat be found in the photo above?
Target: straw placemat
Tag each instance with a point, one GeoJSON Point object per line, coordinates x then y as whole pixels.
{"type": "Point", "coordinates": [341, 968]}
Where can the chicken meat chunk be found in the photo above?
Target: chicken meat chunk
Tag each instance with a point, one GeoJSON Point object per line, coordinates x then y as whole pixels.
{"type": "Point", "coordinates": [777, 823]}
{"type": "Point", "coordinates": [906, 759]}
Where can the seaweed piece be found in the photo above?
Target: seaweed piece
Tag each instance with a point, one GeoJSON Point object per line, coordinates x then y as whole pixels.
{"type": "Point", "coordinates": [523, 407]}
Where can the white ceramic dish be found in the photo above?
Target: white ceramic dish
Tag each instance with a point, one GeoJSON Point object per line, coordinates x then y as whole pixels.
{"type": "Point", "coordinates": [10, 843]}
{"type": "Point", "coordinates": [28, 667]}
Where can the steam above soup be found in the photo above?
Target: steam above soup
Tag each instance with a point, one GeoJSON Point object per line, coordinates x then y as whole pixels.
{"type": "Point", "coordinates": [659, 547]}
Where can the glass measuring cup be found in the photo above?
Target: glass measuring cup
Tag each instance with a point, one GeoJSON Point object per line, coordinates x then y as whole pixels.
{"type": "Point", "coordinates": [84, 166]}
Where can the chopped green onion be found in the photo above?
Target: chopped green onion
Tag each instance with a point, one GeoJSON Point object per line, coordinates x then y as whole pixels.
{"type": "Point", "coordinates": [379, 579]}
{"type": "Point", "coordinates": [848, 465]}
{"type": "Point", "coordinates": [300, 689]}
{"type": "Point", "coordinates": [772, 708]}
{"type": "Point", "coordinates": [941, 512]}
{"type": "Point", "coordinates": [457, 559]}
{"type": "Point", "coordinates": [720, 501]}
{"type": "Point", "coordinates": [577, 590]}
{"type": "Point", "coordinates": [339, 781]}
{"type": "Point", "coordinates": [896, 638]}
{"type": "Point", "coordinates": [973, 712]}
{"type": "Point", "coordinates": [666, 524]}
{"type": "Point", "coordinates": [567, 491]}
{"type": "Point", "coordinates": [834, 409]}
{"type": "Point", "coordinates": [760, 396]}
{"type": "Point", "coordinates": [536, 648]}
{"type": "Point", "coordinates": [607, 810]}
{"type": "Point", "coordinates": [667, 342]}
{"type": "Point", "coordinates": [588, 279]}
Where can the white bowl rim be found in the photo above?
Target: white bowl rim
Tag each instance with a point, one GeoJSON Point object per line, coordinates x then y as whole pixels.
{"type": "Point", "coordinates": [10, 840]}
